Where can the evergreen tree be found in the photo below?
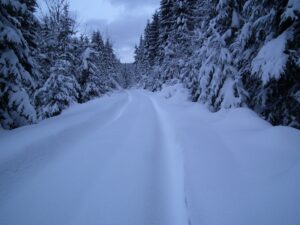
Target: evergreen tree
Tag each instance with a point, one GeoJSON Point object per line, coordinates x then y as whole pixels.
{"type": "Point", "coordinates": [112, 66]}
{"type": "Point", "coordinates": [228, 53]}
{"type": "Point", "coordinates": [91, 78]}
{"type": "Point", "coordinates": [16, 65]}
{"type": "Point", "coordinates": [271, 78]}
{"type": "Point", "coordinates": [99, 48]}
{"type": "Point", "coordinates": [153, 39]}
{"type": "Point", "coordinates": [59, 92]}
{"type": "Point", "coordinates": [219, 82]}
{"type": "Point", "coordinates": [54, 96]}
{"type": "Point", "coordinates": [166, 21]}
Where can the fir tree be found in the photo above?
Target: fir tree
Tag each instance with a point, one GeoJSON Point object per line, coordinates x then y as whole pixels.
{"type": "Point", "coordinates": [91, 79]}
{"type": "Point", "coordinates": [60, 88]}
{"type": "Point", "coordinates": [59, 92]}
{"type": "Point", "coordinates": [16, 67]}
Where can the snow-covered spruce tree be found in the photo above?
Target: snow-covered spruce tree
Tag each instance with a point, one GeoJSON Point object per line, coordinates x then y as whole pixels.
{"type": "Point", "coordinates": [55, 38]}
{"type": "Point", "coordinates": [16, 68]}
{"type": "Point", "coordinates": [167, 42]}
{"type": "Point", "coordinates": [112, 66]}
{"type": "Point", "coordinates": [98, 46]}
{"type": "Point", "coordinates": [219, 83]}
{"type": "Point", "coordinates": [141, 64]}
{"type": "Point", "coordinates": [235, 53]}
{"type": "Point", "coordinates": [166, 19]}
{"type": "Point", "coordinates": [46, 50]}
{"type": "Point", "coordinates": [182, 28]}
{"type": "Point", "coordinates": [29, 27]}
{"type": "Point", "coordinates": [152, 40]}
{"type": "Point", "coordinates": [61, 88]}
{"type": "Point", "coordinates": [79, 45]}
{"type": "Point", "coordinates": [150, 54]}
{"type": "Point", "coordinates": [59, 92]}
{"type": "Point", "coordinates": [269, 63]}
{"type": "Point", "coordinates": [183, 33]}
{"type": "Point", "coordinates": [91, 77]}
{"type": "Point", "coordinates": [202, 13]}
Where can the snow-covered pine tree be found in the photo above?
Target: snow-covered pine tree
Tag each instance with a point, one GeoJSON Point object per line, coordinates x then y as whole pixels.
{"type": "Point", "coordinates": [235, 53]}
{"type": "Point", "coordinates": [182, 27]}
{"type": "Point", "coordinates": [78, 46]}
{"type": "Point", "coordinates": [141, 64]}
{"type": "Point", "coordinates": [219, 83]}
{"type": "Point", "coordinates": [112, 66]}
{"type": "Point", "coordinates": [166, 19]}
{"type": "Point", "coordinates": [91, 76]}
{"type": "Point", "coordinates": [46, 50]}
{"type": "Point", "coordinates": [166, 41]}
{"type": "Point", "coordinates": [183, 33]}
{"type": "Point", "coordinates": [153, 39]}
{"type": "Point", "coordinates": [16, 68]}
{"type": "Point", "coordinates": [148, 57]}
{"type": "Point", "coordinates": [59, 92]}
{"type": "Point", "coordinates": [98, 45]}
{"type": "Point", "coordinates": [29, 28]}
{"type": "Point", "coordinates": [277, 71]}
{"type": "Point", "coordinates": [267, 59]}
{"type": "Point", "coordinates": [61, 88]}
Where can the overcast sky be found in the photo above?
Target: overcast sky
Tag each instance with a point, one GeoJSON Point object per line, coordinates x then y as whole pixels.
{"type": "Point", "coordinates": [123, 21]}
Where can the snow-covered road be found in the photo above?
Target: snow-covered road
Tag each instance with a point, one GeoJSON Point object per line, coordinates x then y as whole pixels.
{"type": "Point", "coordinates": [135, 158]}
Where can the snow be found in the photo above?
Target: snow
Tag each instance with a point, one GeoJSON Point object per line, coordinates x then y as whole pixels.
{"type": "Point", "coordinates": [19, 100]}
{"type": "Point", "coordinates": [291, 11]}
{"type": "Point", "coordinates": [11, 35]}
{"type": "Point", "coordinates": [271, 59]}
{"type": "Point", "coordinates": [86, 57]}
{"type": "Point", "coordinates": [174, 92]}
{"type": "Point", "coordinates": [235, 21]}
{"type": "Point", "coordinates": [136, 158]}
{"type": "Point", "coordinates": [297, 96]}
{"type": "Point", "coordinates": [227, 93]}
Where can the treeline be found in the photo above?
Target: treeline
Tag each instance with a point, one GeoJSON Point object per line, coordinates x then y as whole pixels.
{"type": "Point", "coordinates": [228, 53]}
{"type": "Point", "coordinates": [44, 66]}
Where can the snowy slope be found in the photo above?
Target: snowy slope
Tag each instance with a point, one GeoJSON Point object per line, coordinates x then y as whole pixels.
{"type": "Point", "coordinates": [141, 158]}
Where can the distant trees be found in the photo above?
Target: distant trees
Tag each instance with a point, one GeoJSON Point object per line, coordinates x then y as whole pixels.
{"type": "Point", "coordinates": [45, 67]}
{"type": "Point", "coordinates": [228, 53]}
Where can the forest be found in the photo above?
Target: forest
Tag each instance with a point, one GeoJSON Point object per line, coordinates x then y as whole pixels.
{"type": "Point", "coordinates": [227, 53]}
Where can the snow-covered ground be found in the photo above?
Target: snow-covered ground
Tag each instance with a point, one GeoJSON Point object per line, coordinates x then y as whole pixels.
{"type": "Point", "coordinates": [138, 158]}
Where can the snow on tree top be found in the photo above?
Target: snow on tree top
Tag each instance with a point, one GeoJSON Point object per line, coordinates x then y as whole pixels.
{"type": "Point", "coordinates": [271, 59]}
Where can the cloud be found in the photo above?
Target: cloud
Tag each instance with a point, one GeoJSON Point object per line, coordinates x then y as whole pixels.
{"type": "Point", "coordinates": [124, 33]}
{"type": "Point", "coordinates": [135, 3]}
{"type": "Point", "coordinates": [123, 21]}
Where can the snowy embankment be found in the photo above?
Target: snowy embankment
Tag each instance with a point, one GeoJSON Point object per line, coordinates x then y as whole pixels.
{"type": "Point", "coordinates": [141, 158]}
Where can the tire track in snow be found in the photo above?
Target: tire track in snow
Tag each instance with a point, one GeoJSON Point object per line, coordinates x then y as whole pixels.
{"type": "Point", "coordinates": [175, 167]}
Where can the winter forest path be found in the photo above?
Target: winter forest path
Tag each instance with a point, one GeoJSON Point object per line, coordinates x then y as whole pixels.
{"type": "Point", "coordinates": [134, 158]}
{"type": "Point", "coordinates": [116, 166]}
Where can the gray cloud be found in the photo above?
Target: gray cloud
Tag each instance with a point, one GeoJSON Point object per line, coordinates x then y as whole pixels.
{"type": "Point", "coordinates": [124, 33]}
{"type": "Point", "coordinates": [125, 30]}
{"type": "Point", "coordinates": [122, 21]}
{"type": "Point", "coordinates": [135, 3]}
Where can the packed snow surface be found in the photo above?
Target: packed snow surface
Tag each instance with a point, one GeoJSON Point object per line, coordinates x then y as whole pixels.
{"type": "Point", "coordinates": [138, 158]}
